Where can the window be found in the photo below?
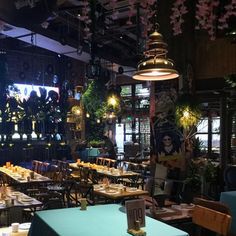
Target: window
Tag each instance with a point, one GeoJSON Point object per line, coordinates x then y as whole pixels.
{"type": "Point", "coordinates": [136, 123]}
{"type": "Point", "coordinates": [208, 132]}
{"type": "Point", "coordinates": [126, 90]}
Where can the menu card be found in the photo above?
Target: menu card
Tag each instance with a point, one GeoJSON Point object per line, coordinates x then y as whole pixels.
{"type": "Point", "coordinates": [135, 210]}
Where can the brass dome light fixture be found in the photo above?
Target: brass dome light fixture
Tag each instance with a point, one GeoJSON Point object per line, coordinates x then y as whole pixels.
{"type": "Point", "coordinates": [155, 66]}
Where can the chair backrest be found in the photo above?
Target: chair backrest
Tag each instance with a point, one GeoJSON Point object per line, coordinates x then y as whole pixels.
{"type": "Point", "coordinates": [112, 163]}
{"type": "Point", "coordinates": [214, 205]}
{"type": "Point", "coordinates": [100, 161]}
{"type": "Point", "coordinates": [210, 219]}
{"type": "Point", "coordinates": [107, 162]}
{"type": "Point", "coordinates": [54, 203]}
{"type": "Point", "coordinates": [35, 165]}
{"type": "Point", "coordinates": [83, 190]}
{"type": "Point", "coordinates": [230, 178]}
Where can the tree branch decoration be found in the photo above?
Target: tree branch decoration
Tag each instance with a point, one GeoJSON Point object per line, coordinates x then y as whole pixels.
{"type": "Point", "coordinates": [187, 111]}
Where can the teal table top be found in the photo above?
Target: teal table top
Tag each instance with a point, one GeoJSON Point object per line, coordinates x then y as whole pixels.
{"type": "Point", "coordinates": [105, 220]}
{"type": "Point", "coordinates": [229, 199]}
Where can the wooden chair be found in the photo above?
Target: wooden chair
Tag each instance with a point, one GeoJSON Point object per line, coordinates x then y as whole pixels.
{"type": "Point", "coordinates": [100, 161]}
{"type": "Point", "coordinates": [112, 163]}
{"type": "Point", "coordinates": [211, 219]}
{"type": "Point", "coordinates": [214, 205]}
{"type": "Point", "coordinates": [107, 162]}
{"type": "Point", "coordinates": [35, 164]}
{"type": "Point", "coordinates": [80, 190]}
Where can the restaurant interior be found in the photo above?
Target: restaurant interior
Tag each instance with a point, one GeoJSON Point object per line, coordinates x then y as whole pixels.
{"type": "Point", "coordinates": [117, 117]}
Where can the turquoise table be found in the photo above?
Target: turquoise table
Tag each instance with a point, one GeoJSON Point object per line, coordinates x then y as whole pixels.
{"type": "Point", "coordinates": [92, 153]}
{"type": "Point", "coordinates": [104, 220]}
{"type": "Point", "coordinates": [229, 199]}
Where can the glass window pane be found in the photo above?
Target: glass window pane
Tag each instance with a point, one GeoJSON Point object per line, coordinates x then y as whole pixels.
{"type": "Point", "coordinates": [128, 127]}
{"type": "Point", "coordinates": [144, 103]}
{"type": "Point", "coordinates": [136, 126]}
{"type": "Point", "coordinates": [128, 138]}
{"type": "Point", "coordinates": [203, 138]}
{"type": "Point", "coordinates": [216, 125]}
{"type": "Point", "coordinates": [144, 125]}
{"type": "Point", "coordinates": [216, 143]}
{"type": "Point", "coordinates": [141, 90]}
{"type": "Point", "coordinates": [126, 90]}
{"type": "Point", "coordinates": [202, 126]}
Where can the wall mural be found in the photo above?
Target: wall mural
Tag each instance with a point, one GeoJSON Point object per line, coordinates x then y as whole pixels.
{"type": "Point", "coordinates": [167, 138]}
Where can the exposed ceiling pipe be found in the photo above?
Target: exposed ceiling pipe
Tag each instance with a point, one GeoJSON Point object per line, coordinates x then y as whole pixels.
{"type": "Point", "coordinates": [55, 46]}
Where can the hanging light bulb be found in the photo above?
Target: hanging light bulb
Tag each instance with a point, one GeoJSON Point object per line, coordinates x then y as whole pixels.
{"type": "Point", "coordinates": [113, 101]}
{"type": "Point", "coordinates": [76, 110]}
{"type": "Point", "coordinates": [87, 115]}
{"type": "Point", "coordinates": [156, 66]}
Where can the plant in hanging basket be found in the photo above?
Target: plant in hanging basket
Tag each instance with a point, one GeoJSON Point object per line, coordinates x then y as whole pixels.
{"type": "Point", "coordinates": [187, 111]}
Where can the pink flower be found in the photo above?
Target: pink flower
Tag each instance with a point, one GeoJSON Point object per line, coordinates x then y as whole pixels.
{"type": "Point", "coordinates": [178, 10]}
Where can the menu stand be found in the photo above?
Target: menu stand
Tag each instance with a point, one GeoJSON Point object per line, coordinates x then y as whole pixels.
{"type": "Point", "coordinates": [137, 231]}
{"type": "Point", "coordinates": [135, 210]}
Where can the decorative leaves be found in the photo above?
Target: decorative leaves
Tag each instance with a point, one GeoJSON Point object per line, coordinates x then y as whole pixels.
{"type": "Point", "coordinates": [231, 80]}
{"type": "Point", "coordinates": [187, 111]}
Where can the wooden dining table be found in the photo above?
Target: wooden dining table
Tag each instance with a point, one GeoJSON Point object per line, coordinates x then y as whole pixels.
{"type": "Point", "coordinates": [13, 202]}
{"type": "Point", "coordinates": [8, 231]}
{"type": "Point", "coordinates": [173, 214]}
{"type": "Point", "coordinates": [117, 191]}
{"type": "Point", "coordinates": [11, 198]}
{"type": "Point", "coordinates": [112, 173]}
{"type": "Point", "coordinates": [20, 175]}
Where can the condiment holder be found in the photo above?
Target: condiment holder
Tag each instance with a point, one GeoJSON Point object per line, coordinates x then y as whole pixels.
{"type": "Point", "coordinates": [83, 204]}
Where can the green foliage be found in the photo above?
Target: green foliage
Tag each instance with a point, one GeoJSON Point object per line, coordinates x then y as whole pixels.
{"type": "Point", "coordinates": [231, 80]}
{"type": "Point", "coordinates": [94, 130]}
{"type": "Point", "coordinates": [94, 98]}
{"type": "Point", "coordinates": [200, 170]}
{"type": "Point", "coordinates": [96, 143]}
{"type": "Point", "coordinates": [193, 179]}
{"type": "Point", "coordinates": [187, 111]}
{"type": "Point", "coordinates": [210, 173]}
{"type": "Point", "coordinates": [198, 147]}
{"type": "Point", "coordinates": [95, 101]}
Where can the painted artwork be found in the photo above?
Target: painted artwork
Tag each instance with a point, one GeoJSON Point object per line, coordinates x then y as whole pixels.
{"type": "Point", "coordinates": [168, 146]}
{"type": "Point", "coordinates": [167, 136]}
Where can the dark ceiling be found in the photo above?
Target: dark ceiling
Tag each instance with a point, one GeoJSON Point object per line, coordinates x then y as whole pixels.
{"type": "Point", "coordinates": [104, 28]}
{"type": "Point", "coordinates": [99, 32]}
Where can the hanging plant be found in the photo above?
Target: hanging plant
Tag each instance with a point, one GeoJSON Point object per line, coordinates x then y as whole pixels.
{"type": "Point", "coordinates": [187, 111]}
{"type": "Point", "coordinates": [93, 98]}
{"type": "Point", "coordinates": [231, 80]}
